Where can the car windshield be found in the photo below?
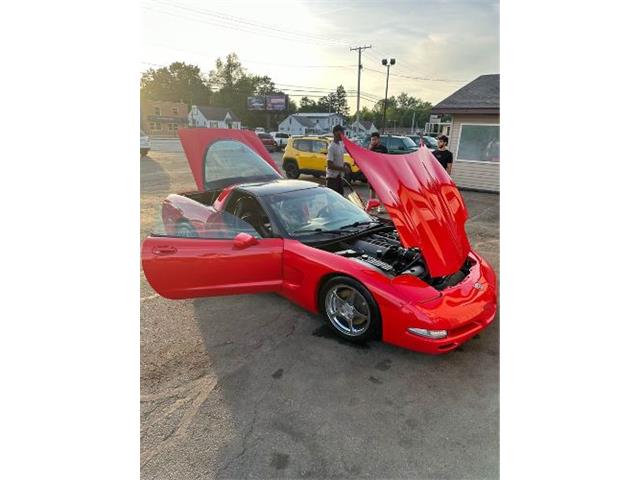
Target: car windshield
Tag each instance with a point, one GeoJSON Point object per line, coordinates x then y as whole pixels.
{"type": "Point", "coordinates": [430, 142]}
{"type": "Point", "coordinates": [316, 210]}
{"type": "Point", "coordinates": [408, 142]}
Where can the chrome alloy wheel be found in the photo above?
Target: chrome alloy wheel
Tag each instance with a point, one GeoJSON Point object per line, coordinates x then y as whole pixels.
{"type": "Point", "coordinates": [348, 310]}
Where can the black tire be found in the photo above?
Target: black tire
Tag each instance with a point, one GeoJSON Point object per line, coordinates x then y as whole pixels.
{"type": "Point", "coordinates": [144, 152]}
{"type": "Point", "coordinates": [317, 175]}
{"type": "Point", "coordinates": [372, 330]}
{"type": "Point", "coordinates": [291, 168]}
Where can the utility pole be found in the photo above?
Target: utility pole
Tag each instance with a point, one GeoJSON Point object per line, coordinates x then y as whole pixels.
{"type": "Point", "coordinates": [359, 49]}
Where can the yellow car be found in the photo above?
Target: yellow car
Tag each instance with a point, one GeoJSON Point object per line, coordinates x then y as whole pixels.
{"type": "Point", "coordinates": [308, 154]}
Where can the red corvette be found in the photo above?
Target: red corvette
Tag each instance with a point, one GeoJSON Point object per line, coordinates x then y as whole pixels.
{"type": "Point", "coordinates": [413, 281]}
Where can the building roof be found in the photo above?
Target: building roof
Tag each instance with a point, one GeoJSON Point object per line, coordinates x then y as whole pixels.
{"type": "Point", "coordinates": [319, 114]}
{"type": "Point", "coordinates": [305, 122]}
{"type": "Point", "coordinates": [216, 113]}
{"type": "Point", "coordinates": [366, 124]}
{"type": "Point", "coordinates": [480, 96]}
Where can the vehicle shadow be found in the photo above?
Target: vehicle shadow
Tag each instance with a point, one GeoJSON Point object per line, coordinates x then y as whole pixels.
{"type": "Point", "coordinates": [292, 400]}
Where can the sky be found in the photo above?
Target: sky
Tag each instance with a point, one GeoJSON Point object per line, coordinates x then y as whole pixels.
{"type": "Point", "coordinates": [304, 46]}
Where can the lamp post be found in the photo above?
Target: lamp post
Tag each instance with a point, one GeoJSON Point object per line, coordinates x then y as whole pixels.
{"type": "Point", "coordinates": [392, 61]}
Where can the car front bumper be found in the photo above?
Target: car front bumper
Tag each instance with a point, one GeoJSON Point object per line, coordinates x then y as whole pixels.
{"type": "Point", "coordinates": [463, 311]}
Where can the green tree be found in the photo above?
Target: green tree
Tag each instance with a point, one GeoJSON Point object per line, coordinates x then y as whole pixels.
{"type": "Point", "coordinates": [308, 105]}
{"type": "Point", "coordinates": [334, 102]}
{"type": "Point", "coordinates": [179, 82]}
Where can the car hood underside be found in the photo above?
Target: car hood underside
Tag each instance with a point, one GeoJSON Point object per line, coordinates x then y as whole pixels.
{"type": "Point", "coordinates": [423, 203]}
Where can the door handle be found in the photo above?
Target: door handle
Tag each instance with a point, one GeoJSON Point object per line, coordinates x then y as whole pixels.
{"type": "Point", "coordinates": [164, 250]}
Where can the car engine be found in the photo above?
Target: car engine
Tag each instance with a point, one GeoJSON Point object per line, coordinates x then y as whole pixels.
{"type": "Point", "coordinates": [384, 251]}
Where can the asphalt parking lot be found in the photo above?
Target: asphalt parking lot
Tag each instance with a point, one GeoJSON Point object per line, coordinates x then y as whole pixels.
{"type": "Point", "coordinates": [252, 386]}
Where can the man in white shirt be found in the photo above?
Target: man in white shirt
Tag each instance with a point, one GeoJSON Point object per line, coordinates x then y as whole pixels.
{"type": "Point", "coordinates": [335, 161]}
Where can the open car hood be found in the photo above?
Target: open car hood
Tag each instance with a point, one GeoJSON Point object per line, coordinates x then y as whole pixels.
{"type": "Point", "coordinates": [196, 142]}
{"type": "Point", "coordinates": [423, 202]}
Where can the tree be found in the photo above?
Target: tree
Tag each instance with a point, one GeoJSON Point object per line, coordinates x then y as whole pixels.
{"type": "Point", "coordinates": [308, 105]}
{"type": "Point", "coordinates": [180, 82]}
{"type": "Point", "coordinates": [334, 102]}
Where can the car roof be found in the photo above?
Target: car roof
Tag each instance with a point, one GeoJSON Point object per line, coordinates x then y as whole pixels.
{"type": "Point", "coordinates": [272, 187]}
{"type": "Point", "coordinates": [311, 137]}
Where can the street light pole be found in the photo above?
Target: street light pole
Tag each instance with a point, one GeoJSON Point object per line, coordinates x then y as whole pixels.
{"type": "Point", "coordinates": [388, 64]}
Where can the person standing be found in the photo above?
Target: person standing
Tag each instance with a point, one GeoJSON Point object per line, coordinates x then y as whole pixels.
{"type": "Point", "coordinates": [335, 161]}
{"type": "Point", "coordinates": [376, 145]}
{"type": "Point", "coordinates": [442, 154]}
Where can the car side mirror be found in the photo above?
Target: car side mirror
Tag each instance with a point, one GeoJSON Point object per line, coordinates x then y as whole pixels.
{"type": "Point", "coordinates": [244, 240]}
{"type": "Point", "coordinates": [372, 204]}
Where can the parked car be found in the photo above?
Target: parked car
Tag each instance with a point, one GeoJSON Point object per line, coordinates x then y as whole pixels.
{"type": "Point", "coordinates": [145, 144]}
{"type": "Point", "coordinates": [268, 141]}
{"type": "Point", "coordinates": [259, 130]}
{"type": "Point", "coordinates": [429, 142]}
{"type": "Point", "coordinates": [394, 143]}
{"type": "Point", "coordinates": [281, 139]}
{"type": "Point", "coordinates": [412, 281]}
{"type": "Point", "coordinates": [308, 154]}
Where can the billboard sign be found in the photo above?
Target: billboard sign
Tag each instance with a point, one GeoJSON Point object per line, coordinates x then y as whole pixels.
{"type": "Point", "coordinates": [276, 103]}
{"type": "Point", "coordinates": [255, 103]}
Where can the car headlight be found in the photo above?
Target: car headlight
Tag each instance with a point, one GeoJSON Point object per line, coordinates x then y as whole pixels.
{"type": "Point", "coordinates": [423, 332]}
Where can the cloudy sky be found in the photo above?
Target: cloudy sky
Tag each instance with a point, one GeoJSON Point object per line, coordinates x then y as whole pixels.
{"type": "Point", "coordinates": [439, 45]}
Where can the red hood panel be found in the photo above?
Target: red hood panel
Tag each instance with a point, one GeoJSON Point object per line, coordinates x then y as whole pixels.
{"type": "Point", "coordinates": [423, 202]}
{"type": "Point", "coordinates": [196, 140]}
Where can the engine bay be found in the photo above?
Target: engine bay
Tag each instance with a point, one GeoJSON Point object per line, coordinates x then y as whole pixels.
{"type": "Point", "coordinates": [384, 251]}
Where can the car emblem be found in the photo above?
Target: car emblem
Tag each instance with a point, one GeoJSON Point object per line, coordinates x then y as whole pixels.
{"type": "Point", "coordinates": [477, 285]}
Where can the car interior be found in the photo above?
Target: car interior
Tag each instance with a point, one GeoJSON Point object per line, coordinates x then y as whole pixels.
{"type": "Point", "coordinates": [247, 209]}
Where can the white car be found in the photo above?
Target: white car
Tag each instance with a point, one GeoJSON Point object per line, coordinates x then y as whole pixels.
{"type": "Point", "coordinates": [259, 130]}
{"type": "Point", "coordinates": [145, 145]}
{"type": "Point", "coordinates": [281, 139]}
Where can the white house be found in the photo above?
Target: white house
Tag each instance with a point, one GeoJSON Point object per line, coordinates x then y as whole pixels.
{"type": "Point", "coordinates": [296, 125]}
{"type": "Point", "coordinates": [363, 126]}
{"type": "Point", "coordinates": [206, 116]}
{"type": "Point", "coordinates": [306, 123]}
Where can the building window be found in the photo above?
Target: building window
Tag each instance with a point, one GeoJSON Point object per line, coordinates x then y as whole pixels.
{"type": "Point", "coordinates": [479, 143]}
{"type": "Point", "coordinates": [156, 110]}
{"type": "Point", "coordinates": [175, 110]}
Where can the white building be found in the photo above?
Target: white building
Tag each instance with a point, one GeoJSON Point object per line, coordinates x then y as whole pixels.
{"type": "Point", "coordinates": [206, 116]}
{"type": "Point", "coordinates": [363, 126]}
{"type": "Point", "coordinates": [475, 133]}
{"type": "Point", "coordinates": [308, 123]}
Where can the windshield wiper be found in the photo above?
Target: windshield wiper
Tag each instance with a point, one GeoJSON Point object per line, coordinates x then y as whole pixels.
{"type": "Point", "coordinates": [358, 224]}
{"type": "Point", "coordinates": [317, 230]}
{"type": "Point", "coordinates": [339, 231]}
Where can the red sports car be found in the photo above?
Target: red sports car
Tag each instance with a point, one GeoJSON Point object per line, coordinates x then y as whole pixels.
{"type": "Point", "coordinates": [412, 281]}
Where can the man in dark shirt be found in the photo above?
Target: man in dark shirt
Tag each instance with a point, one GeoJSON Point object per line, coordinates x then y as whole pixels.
{"type": "Point", "coordinates": [376, 145]}
{"type": "Point", "coordinates": [443, 155]}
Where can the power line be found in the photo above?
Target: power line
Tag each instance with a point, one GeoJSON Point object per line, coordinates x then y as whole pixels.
{"type": "Point", "coordinates": [237, 23]}
{"type": "Point", "coordinates": [417, 78]}
{"type": "Point", "coordinates": [359, 49]}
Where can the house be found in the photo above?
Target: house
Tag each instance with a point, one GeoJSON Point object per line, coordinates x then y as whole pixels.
{"type": "Point", "coordinates": [206, 116]}
{"type": "Point", "coordinates": [475, 133]}
{"type": "Point", "coordinates": [308, 123]}
{"type": "Point", "coordinates": [163, 119]}
{"type": "Point", "coordinates": [363, 126]}
{"type": "Point", "coordinates": [296, 125]}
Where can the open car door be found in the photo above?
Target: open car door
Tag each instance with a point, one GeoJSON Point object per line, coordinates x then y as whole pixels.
{"type": "Point", "coordinates": [194, 254]}
{"type": "Point", "coordinates": [227, 257]}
